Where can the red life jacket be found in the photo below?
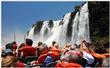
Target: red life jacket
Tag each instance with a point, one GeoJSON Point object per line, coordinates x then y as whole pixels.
{"type": "Point", "coordinates": [28, 51]}
{"type": "Point", "coordinates": [20, 64]}
{"type": "Point", "coordinates": [55, 55]}
{"type": "Point", "coordinates": [42, 58]}
{"type": "Point", "coordinates": [68, 65]}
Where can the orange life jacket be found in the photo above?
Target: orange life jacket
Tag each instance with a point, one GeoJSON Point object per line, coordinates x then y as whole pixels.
{"type": "Point", "coordinates": [68, 65]}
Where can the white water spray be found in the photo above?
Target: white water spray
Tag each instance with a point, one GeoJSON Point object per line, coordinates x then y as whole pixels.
{"type": "Point", "coordinates": [80, 29]}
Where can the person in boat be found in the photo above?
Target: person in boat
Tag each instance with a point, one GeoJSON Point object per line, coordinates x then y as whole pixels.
{"type": "Point", "coordinates": [53, 42]}
{"type": "Point", "coordinates": [48, 56]}
{"type": "Point", "coordinates": [20, 46]}
{"type": "Point", "coordinates": [10, 60]}
{"type": "Point", "coordinates": [14, 47]}
{"type": "Point", "coordinates": [66, 48]}
{"type": "Point", "coordinates": [74, 51]}
{"type": "Point", "coordinates": [9, 46]}
{"type": "Point", "coordinates": [38, 48]}
{"type": "Point", "coordinates": [28, 50]}
{"type": "Point", "coordinates": [84, 48]}
{"type": "Point", "coordinates": [69, 59]}
{"type": "Point", "coordinates": [99, 58]}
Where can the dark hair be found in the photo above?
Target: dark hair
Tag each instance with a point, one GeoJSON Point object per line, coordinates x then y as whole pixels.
{"type": "Point", "coordinates": [29, 42]}
{"type": "Point", "coordinates": [53, 43]}
{"type": "Point", "coordinates": [21, 45]}
{"type": "Point", "coordinates": [40, 43]}
{"type": "Point", "coordinates": [14, 42]}
{"type": "Point", "coordinates": [9, 46]}
{"type": "Point", "coordinates": [87, 44]}
{"type": "Point", "coordinates": [83, 41]}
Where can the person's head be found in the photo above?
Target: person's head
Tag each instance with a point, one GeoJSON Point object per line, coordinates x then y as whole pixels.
{"type": "Point", "coordinates": [56, 46]}
{"type": "Point", "coordinates": [68, 45]}
{"type": "Point", "coordinates": [83, 41]}
{"type": "Point", "coordinates": [9, 46]}
{"type": "Point", "coordinates": [21, 45]}
{"type": "Point", "coordinates": [84, 45]}
{"type": "Point", "coordinates": [40, 43]}
{"type": "Point", "coordinates": [14, 42]}
{"type": "Point", "coordinates": [7, 52]}
{"type": "Point", "coordinates": [68, 57]}
{"type": "Point", "coordinates": [43, 48]}
{"type": "Point", "coordinates": [73, 47]}
{"type": "Point", "coordinates": [29, 42]}
{"type": "Point", "coordinates": [53, 43]}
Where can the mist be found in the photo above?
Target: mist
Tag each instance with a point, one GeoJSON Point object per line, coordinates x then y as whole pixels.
{"type": "Point", "coordinates": [8, 38]}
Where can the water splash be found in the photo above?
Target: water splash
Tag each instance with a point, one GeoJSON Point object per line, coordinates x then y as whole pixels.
{"type": "Point", "coordinates": [31, 33]}
{"type": "Point", "coordinates": [80, 29]}
{"type": "Point", "coordinates": [81, 26]}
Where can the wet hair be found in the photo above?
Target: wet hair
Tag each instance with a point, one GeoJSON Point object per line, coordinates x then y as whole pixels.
{"type": "Point", "coordinates": [21, 45]}
{"type": "Point", "coordinates": [29, 42]}
{"type": "Point", "coordinates": [76, 45]}
{"type": "Point", "coordinates": [9, 46]}
{"type": "Point", "coordinates": [53, 43]}
{"type": "Point", "coordinates": [68, 45]}
{"type": "Point", "coordinates": [45, 46]}
{"type": "Point", "coordinates": [83, 41]}
{"type": "Point", "coordinates": [40, 43]}
{"type": "Point", "coordinates": [56, 45]}
{"type": "Point", "coordinates": [87, 44]}
{"type": "Point", "coordinates": [73, 47]}
{"type": "Point", "coordinates": [14, 42]}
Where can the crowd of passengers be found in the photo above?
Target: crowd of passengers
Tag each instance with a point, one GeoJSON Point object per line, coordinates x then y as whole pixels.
{"type": "Point", "coordinates": [43, 55]}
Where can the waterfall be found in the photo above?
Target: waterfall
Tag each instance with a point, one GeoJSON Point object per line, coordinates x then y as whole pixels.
{"type": "Point", "coordinates": [80, 29]}
{"type": "Point", "coordinates": [75, 29]}
{"type": "Point", "coordinates": [55, 33]}
{"type": "Point", "coordinates": [81, 26]}
{"type": "Point", "coordinates": [65, 21]}
{"type": "Point", "coordinates": [31, 33]}
{"type": "Point", "coordinates": [44, 31]}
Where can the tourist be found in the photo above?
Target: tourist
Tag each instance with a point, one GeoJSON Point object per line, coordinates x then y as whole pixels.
{"type": "Point", "coordinates": [28, 50]}
{"type": "Point", "coordinates": [53, 42]}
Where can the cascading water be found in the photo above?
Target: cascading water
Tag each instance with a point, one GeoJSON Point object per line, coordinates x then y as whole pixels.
{"type": "Point", "coordinates": [55, 33]}
{"type": "Point", "coordinates": [65, 21]}
{"type": "Point", "coordinates": [83, 33]}
{"type": "Point", "coordinates": [74, 37]}
{"type": "Point", "coordinates": [31, 33]}
{"type": "Point", "coordinates": [44, 30]}
{"type": "Point", "coordinates": [80, 29]}
{"type": "Point", "coordinates": [81, 26]}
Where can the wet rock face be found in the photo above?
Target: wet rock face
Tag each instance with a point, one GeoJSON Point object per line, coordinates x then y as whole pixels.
{"type": "Point", "coordinates": [69, 27]}
{"type": "Point", "coordinates": [38, 27]}
{"type": "Point", "coordinates": [50, 23]}
{"type": "Point", "coordinates": [98, 18]}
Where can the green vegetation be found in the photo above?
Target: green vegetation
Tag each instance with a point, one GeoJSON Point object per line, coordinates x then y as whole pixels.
{"type": "Point", "coordinates": [99, 23]}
